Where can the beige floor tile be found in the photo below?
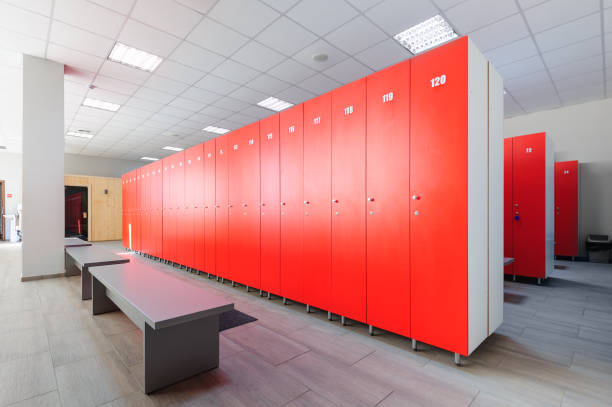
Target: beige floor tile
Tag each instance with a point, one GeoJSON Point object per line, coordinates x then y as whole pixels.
{"type": "Point", "coordinates": [68, 321]}
{"type": "Point", "coordinates": [129, 346]}
{"type": "Point", "coordinates": [76, 345]}
{"type": "Point", "coordinates": [227, 347]}
{"type": "Point", "coordinates": [137, 399]}
{"type": "Point", "coordinates": [310, 399]}
{"type": "Point", "coordinates": [46, 400]}
{"type": "Point", "coordinates": [113, 323]}
{"type": "Point", "coordinates": [573, 399]}
{"type": "Point", "coordinates": [21, 320]}
{"type": "Point", "coordinates": [25, 378]}
{"type": "Point", "coordinates": [19, 344]}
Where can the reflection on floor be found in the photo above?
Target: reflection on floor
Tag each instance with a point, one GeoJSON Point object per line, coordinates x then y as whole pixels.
{"type": "Point", "coordinates": [554, 348]}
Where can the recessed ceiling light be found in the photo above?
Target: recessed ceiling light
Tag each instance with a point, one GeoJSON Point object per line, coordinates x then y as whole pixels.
{"type": "Point", "coordinates": [149, 158]}
{"type": "Point", "coordinates": [100, 104]}
{"type": "Point", "coordinates": [79, 134]}
{"type": "Point", "coordinates": [275, 104]}
{"type": "Point", "coordinates": [216, 130]}
{"type": "Point", "coordinates": [172, 148]}
{"type": "Point", "coordinates": [426, 35]}
{"type": "Point", "coordinates": [134, 57]}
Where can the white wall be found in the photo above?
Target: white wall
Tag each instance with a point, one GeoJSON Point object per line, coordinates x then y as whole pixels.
{"type": "Point", "coordinates": [98, 166]}
{"type": "Point", "coordinates": [10, 172]}
{"type": "Point", "coordinates": [584, 133]}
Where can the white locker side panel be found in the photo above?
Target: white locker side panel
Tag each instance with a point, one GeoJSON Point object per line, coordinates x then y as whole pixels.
{"type": "Point", "coordinates": [550, 206]}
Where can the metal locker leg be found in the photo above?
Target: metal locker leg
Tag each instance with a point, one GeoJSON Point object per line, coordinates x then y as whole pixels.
{"type": "Point", "coordinates": [269, 296]}
{"type": "Point", "coordinates": [371, 330]}
{"type": "Point", "coordinates": [343, 320]}
{"type": "Point", "coordinates": [539, 281]}
{"type": "Point", "coordinates": [247, 288]}
{"type": "Point", "coordinates": [329, 315]}
{"type": "Point", "coordinates": [457, 359]}
{"type": "Point", "coordinates": [233, 284]}
{"type": "Point", "coordinates": [414, 345]}
{"type": "Point", "coordinates": [514, 277]}
{"type": "Point", "coordinates": [284, 301]}
{"type": "Point", "coordinates": [222, 280]}
{"type": "Point", "coordinates": [261, 293]}
{"type": "Point", "coordinates": [307, 308]}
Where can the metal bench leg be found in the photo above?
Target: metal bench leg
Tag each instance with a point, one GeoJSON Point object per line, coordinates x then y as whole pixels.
{"type": "Point", "coordinates": [85, 284]}
{"type": "Point", "coordinates": [100, 302]}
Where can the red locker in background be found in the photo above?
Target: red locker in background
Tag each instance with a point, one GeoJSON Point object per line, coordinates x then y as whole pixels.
{"type": "Point", "coordinates": [145, 219]}
{"type": "Point", "coordinates": [508, 205]}
{"type": "Point", "coordinates": [124, 223]}
{"type": "Point", "coordinates": [136, 223]}
{"type": "Point", "coordinates": [194, 215]}
{"type": "Point", "coordinates": [566, 208]}
{"type": "Point", "coordinates": [388, 200]}
{"type": "Point", "coordinates": [292, 201]}
{"type": "Point", "coordinates": [317, 201]}
{"type": "Point", "coordinates": [222, 203]}
{"type": "Point", "coordinates": [349, 201]}
{"type": "Point", "coordinates": [183, 249]}
{"type": "Point", "coordinates": [209, 206]}
{"type": "Point", "coordinates": [169, 211]}
{"type": "Point", "coordinates": [156, 209]}
{"type": "Point", "coordinates": [270, 204]}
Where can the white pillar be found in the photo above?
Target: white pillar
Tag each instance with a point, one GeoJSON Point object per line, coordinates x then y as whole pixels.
{"type": "Point", "coordinates": [43, 168]}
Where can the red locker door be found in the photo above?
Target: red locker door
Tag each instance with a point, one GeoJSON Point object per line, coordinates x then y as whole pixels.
{"type": "Point", "coordinates": [209, 206]}
{"type": "Point", "coordinates": [270, 204]}
{"type": "Point", "coordinates": [292, 205]}
{"type": "Point", "coordinates": [508, 205]}
{"type": "Point", "coordinates": [235, 190]}
{"type": "Point", "coordinates": [124, 235]}
{"type": "Point", "coordinates": [438, 181]}
{"type": "Point", "coordinates": [137, 226]}
{"type": "Point", "coordinates": [169, 224]}
{"type": "Point", "coordinates": [529, 206]}
{"type": "Point", "coordinates": [388, 203]}
{"type": "Point", "coordinates": [156, 209]}
{"type": "Point", "coordinates": [183, 248]}
{"type": "Point", "coordinates": [199, 244]}
{"type": "Point", "coordinates": [317, 201]}
{"type": "Point", "coordinates": [193, 195]}
{"type": "Point", "coordinates": [221, 213]}
{"type": "Point", "coordinates": [566, 208]}
{"type": "Point", "coordinates": [349, 201]}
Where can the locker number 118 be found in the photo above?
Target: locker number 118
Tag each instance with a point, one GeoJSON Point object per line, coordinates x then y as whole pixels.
{"type": "Point", "coordinates": [438, 80]}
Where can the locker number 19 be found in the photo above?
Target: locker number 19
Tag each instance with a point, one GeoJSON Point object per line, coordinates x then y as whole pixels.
{"type": "Point", "coordinates": [438, 80]}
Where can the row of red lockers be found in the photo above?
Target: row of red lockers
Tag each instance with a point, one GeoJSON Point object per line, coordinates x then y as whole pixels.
{"type": "Point", "coordinates": [290, 204]}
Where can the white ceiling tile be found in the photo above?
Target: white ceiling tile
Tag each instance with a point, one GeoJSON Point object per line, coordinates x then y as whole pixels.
{"type": "Point", "coordinates": [232, 104]}
{"type": "Point", "coordinates": [384, 54]}
{"type": "Point", "coordinates": [179, 72]}
{"type": "Point", "coordinates": [582, 94]}
{"type": "Point", "coordinates": [474, 14]}
{"type": "Point", "coordinates": [576, 68]}
{"type": "Point", "coordinates": [334, 55]}
{"type": "Point", "coordinates": [121, 6]}
{"type": "Point", "coordinates": [175, 111]}
{"type": "Point", "coordinates": [153, 95]}
{"type": "Point", "coordinates": [322, 16]}
{"type": "Point", "coordinates": [196, 57]}
{"type": "Point", "coordinates": [127, 119]}
{"type": "Point", "coordinates": [123, 72]}
{"type": "Point", "coordinates": [107, 96]}
{"type": "Point", "coordinates": [515, 51]}
{"type": "Point", "coordinates": [538, 98]}
{"type": "Point", "coordinates": [75, 88]}
{"type": "Point", "coordinates": [115, 85]}
{"type": "Point", "coordinates": [37, 6]}
{"type": "Point", "coordinates": [22, 21]}
{"type": "Point", "coordinates": [248, 95]}
{"type": "Point", "coordinates": [356, 35]}
{"type": "Point", "coordinates": [257, 56]}
{"type": "Point", "coordinates": [363, 5]}
{"type": "Point", "coordinates": [200, 95]}
{"type": "Point", "coordinates": [446, 4]}
{"type": "Point", "coordinates": [190, 124]}
{"type": "Point", "coordinates": [187, 104]}
{"type": "Point", "coordinates": [291, 71]}
{"type": "Point", "coordinates": [319, 84]}
{"type": "Point", "coordinates": [216, 37]}
{"type": "Point", "coordinates": [22, 43]}
{"type": "Point", "coordinates": [242, 119]}
{"type": "Point", "coordinates": [525, 4]}
{"type": "Point", "coordinates": [395, 16]}
{"type": "Point", "coordinates": [165, 85]}
{"type": "Point", "coordinates": [258, 112]}
{"type": "Point", "coordinates": [146, 38]}
{"type": "Point", "coordinates": [267, 84]}
{"type": "Point", "coordinates": [569, 33]}
{"type": "Point", "coordinates": [246, 17]}
{"type": "Point", "coordinates": [522, 67]}
{"type": "Point", "coordinates": [573, 52]}
{"type": "Point", "coordinates": [348, 70]}
{"type": "Point", "coordinates": [285, 36]}
{"type": "Point", "coordinates": [80, 40]}
{"type": "Point", "coordinates": [228, 124]}
{"type": "Point", "coordinates": [608, 42]}
{"type": "Point", "coordinates": [587, 79]}
{"type": "Point", "coordinates": [218, 85]}
{"type": "Point", "coordinates": [201, 6]}
{"type": "Point", "coordinates": [132, 111]}
{"type": "Point", "coordinates": [526, 81]}
{"type": "Point", "coordinates": [216, 112]}
{"type": "Point", "coordinates": [144, 104]}
{"type": "Point", "coordinates": [294, 95]}
{"type": "Point", "coordinates": [166, 15]}
{"type": "Point", "coordinates": [202, 118]}
{"type": "Point", "coordinates": [501, 33]}
{"type": "Point", "coordinates": [607, 3]}
{"type": "Point", "coordinates": [89, 16]}
{"type": "Point", "coordinates": [235, 72]}
{"type": "Point", "coordinates": [511, 108]}
{"type": "Point", "coordinates": [554, 12]}
{"type": "Point", "coordinates": [73, 58]}
{"type": "Point", "coordinates": [607, 16]}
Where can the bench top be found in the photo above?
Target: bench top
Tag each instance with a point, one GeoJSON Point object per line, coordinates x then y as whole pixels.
{"type": "Point", "coordinates": [162, 298]}
{"type": "Point", "coordinates": [88, 256]}
{"type": "Point", "coordinates": [75, 242]}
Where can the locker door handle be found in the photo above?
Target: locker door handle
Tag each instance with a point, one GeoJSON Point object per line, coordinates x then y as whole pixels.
{"type": "Point", "coordinates": [306, 202]}
{"type": "Point", "coordinates": [283, 203]}
{"type": "Point", "coordinates": [244, 205]}
{"type": "Point", "coordinates": [334, 201]}
{"type": "Point", "coordinates": [229, 206]}
{"type": "Point", "coordinates": [416, 197]}
{"type": "Point", "coordinates": [263, 204]}
{"type": "Point", "coordinates": [370, 199]}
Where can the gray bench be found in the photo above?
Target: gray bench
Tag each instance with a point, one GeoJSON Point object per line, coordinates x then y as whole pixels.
{"type": "Point", "coordinates": [79, 260]}
{"type": "Point", "coordinates": [179, 319]}
{"type": "Point", "coordinates": [75, 242]}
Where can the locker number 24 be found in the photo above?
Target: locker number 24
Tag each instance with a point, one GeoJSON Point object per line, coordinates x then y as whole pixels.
{"type": "Point", "coordinates": [438, 80]}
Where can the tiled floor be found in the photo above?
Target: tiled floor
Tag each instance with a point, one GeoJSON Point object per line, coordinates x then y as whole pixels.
{"type": "Point", "coordinates": [554, 349]}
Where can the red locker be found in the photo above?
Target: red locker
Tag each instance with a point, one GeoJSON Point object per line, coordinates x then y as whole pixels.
{"type": "Point", "coordinates": [222, 206]}
{"type": "Point", "coordinates": [317, 201]}
{"type": "Point", "coordinates": [209, 206]}
{"type": "Point", "coordinates": [508, 216]}
{"type": "Point", "coordinates": [270, 204]}
{"type": "Point", "coordinates": [136, 224]}
{"type": "Point", "coordinates": [169, 211]}
{"type": "Point", "coordinates": [388, 203]}
{"type": "Point", "coordinates": [156, 209]}
{"type": "Point", "coordinates": [349, 201]}
{"type": "Point", "coordinates": [292, 201]}
{"type": "Point", "coordinates": [193, 196]}
{"type": "Point", "coordinates": [124, 223]}
{"type": "Point", "coordinates": [566, 208]}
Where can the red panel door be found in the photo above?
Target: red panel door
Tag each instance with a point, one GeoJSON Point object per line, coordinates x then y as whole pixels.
{"type": "Point", "coordinates": [508, 205]}
{"type": "Point", "coordinates": [156, 209]}
{"type": "Point", "coordinates": [438, 179]}
{"type": "Point", "coordinates": [182, 230]}
{"type": "Point", "coordinates": [137, 227]}
{"type": "Point", "coordinates": [349, 201]}
{"type": "Point", "coordinates": [317, 201]}
{"type": "Point", "coordinates": [529, 205]}
{"type": "Point", "coordinates": [566, 208]}
{"type": "Point", "coordinates": [193, 199]}
{"type": "Point", "coordinates": [209, 206]}
{"type": "Point", "coordinates": [270, 204]}
{"type": "Point", "coordinates": [235, 194]}
{"type": "Point", "coordinates": [292, 205]}
{"type": "Point", "coordinates": [124, 223]}
{"type": "Point", "coordinates": [169, 220]}
{"type": "Point", "coordinates": [221, 214]}
{"type": "Point", "coordinates": [388, 203]}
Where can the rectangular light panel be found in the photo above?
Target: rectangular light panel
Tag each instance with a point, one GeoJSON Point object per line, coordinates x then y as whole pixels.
{"type": "Point", "coordinates": [426, 35]}
{"type": "Point", "coordinates": [275, 104]}
{"type": "Point", "coordinates": [149, 158]}
{"type": "Point", "coordinates": [100, 104]}
{"type": "Point", "coordinates": [216, 130]}
{"type": "Point", "coordinates": [134, 58]}
{"type": "Point", "coordinates": [79, 134]}
{"type": "Point", "coordinates": [172, 148]}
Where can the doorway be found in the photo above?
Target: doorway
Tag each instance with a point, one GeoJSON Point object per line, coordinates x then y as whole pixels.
{"type": "Point", "coordinates": [2, 211]}
{"type": "Point", "coordinates": [76, 204]}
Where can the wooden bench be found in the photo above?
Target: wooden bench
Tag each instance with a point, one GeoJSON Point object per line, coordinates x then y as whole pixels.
{"type": "Point", "coordinates": [179, 319]}
{"type": "Point", "coordinates": [79, 260]}
{"type": "Point", "coordinates": [75, 242]}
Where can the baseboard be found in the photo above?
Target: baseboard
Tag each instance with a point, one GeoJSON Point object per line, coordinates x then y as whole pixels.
{"type": "Point", "coordinates": [43, 277]}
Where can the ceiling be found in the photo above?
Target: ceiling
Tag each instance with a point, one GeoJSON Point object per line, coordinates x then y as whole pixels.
{"type": "Point", "coordinates": [223, 56]}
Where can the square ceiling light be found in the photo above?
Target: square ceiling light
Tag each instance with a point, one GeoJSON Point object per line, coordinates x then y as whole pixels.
{"type": "Point", "coordinates": [100, 104]}
{"type": "Point", "coordinates": [81, 134]}
{"type": "Point", "coordinates": [216, 130]}
{"type": "Point", "coordinates": [172, 148]}
{"type": "Point", "coordinates": [134, 58]}
{"type": "Point", "coordinates": [149, 158]}
{"type": "Point", "coordinates": [426, 35]}
{"type": "Point", "coordinates": [275, 104]}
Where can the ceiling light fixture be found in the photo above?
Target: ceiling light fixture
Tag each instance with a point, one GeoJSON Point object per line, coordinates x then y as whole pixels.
{"type": "Point", "coordinates": [80, 134]}
{"type": "Point", "coordinates": [426, 35]}
{"type": "Point", "coordinates": [149, 158]}
{"type": "Point", "coordinates": [216, 130]}
{"type": "Point", "coordinates": [172, 148]}
{"type": "Point", "coordinates": [134, 58]}
{"type": "Point", "coordinates": [275, 104]}
{"type": "Point", "coordinates": [100, 104]}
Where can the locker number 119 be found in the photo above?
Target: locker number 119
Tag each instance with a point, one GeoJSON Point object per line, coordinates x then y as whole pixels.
{"type": "Point", "coordinates": [438, 80]}
{"type": "Point", "coordinates": [387, 97]}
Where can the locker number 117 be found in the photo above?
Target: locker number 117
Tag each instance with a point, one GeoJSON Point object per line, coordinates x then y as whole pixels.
{"type": "Point", "coordinates": [438, 80]}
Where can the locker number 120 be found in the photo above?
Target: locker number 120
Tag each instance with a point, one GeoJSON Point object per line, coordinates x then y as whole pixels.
{"type": "Point", "coordinates": [438, 80]}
